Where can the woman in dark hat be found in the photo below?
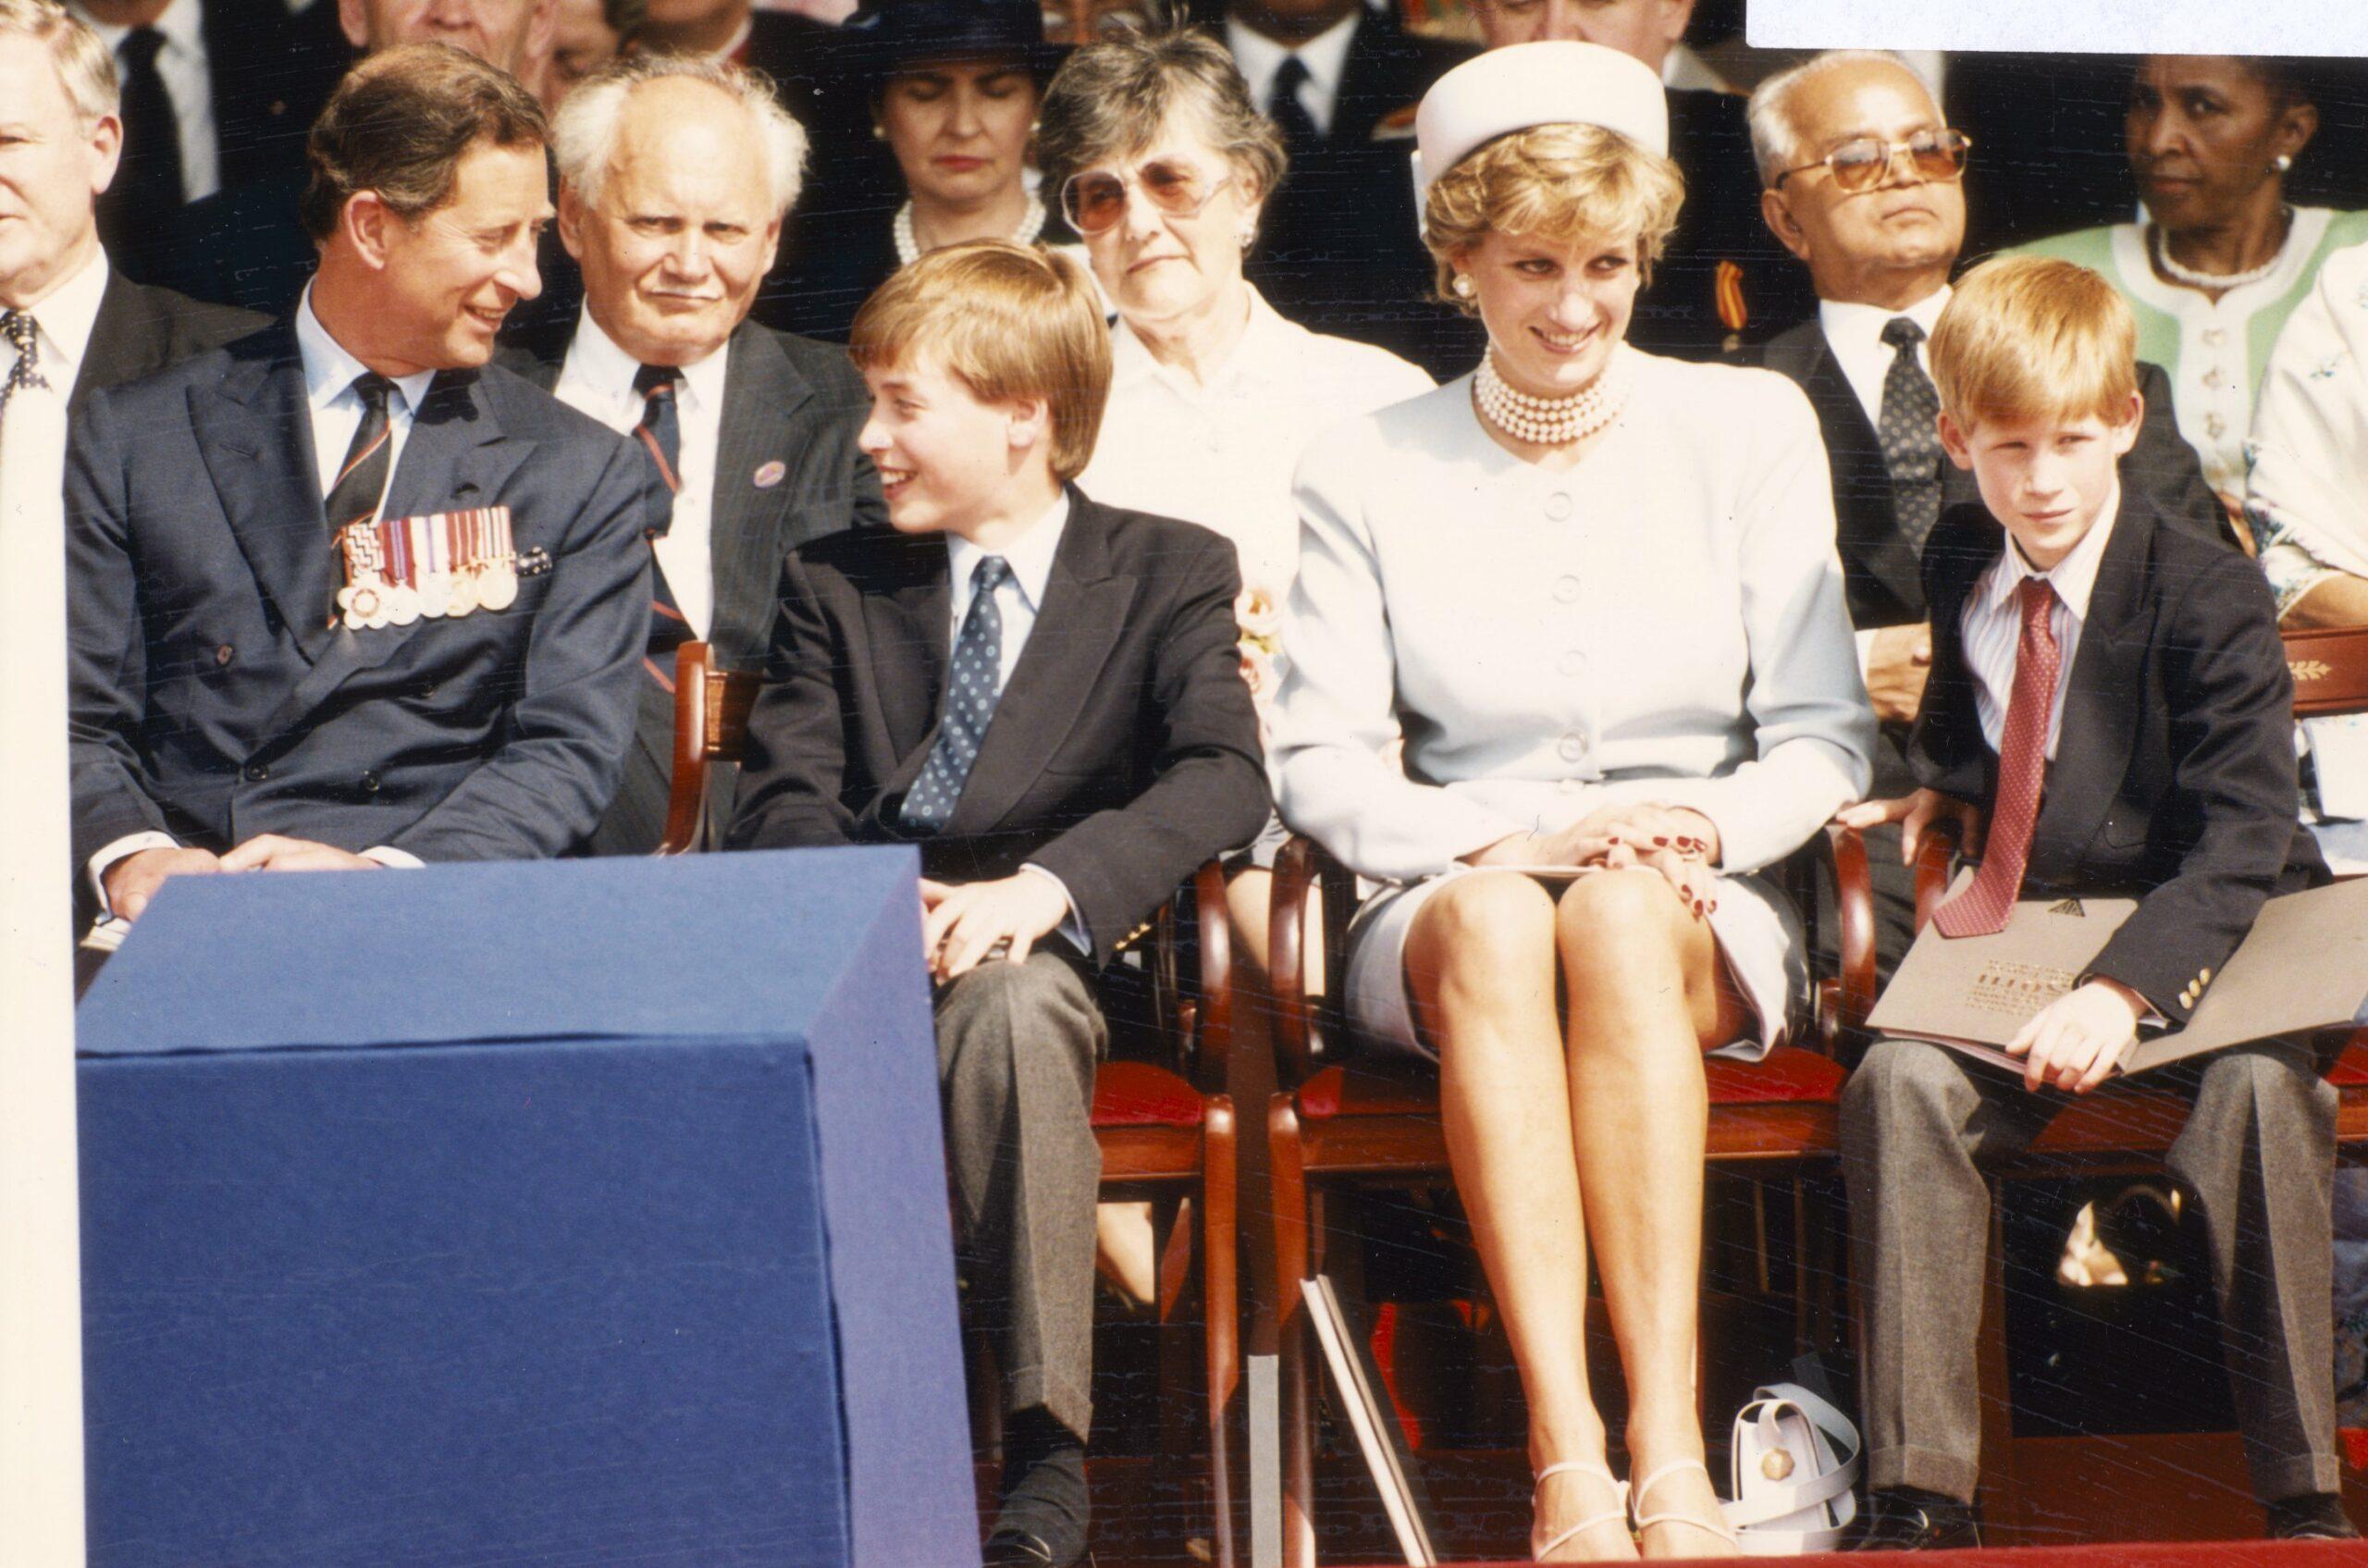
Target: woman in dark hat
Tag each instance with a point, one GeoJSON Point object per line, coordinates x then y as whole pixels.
{"type": "Point", "coordinates": [953, 87]}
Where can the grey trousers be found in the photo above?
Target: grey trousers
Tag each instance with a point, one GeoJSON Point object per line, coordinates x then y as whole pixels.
{"type": "Point", "coordinates": [2257, 1155]}
{"type": "Point", "coordinates": [1016, 1049]}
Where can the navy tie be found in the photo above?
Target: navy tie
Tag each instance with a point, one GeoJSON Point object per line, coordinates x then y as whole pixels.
{"type": "Point", "coordinates": [1300, 135]}
{"type": "Point", "coordinates": [18, 331]}
{"type": "Point", "coordinates": [661, 435]}
{"type": "Point", "coordinates": [973, 685]}
{"type": "Point", "coordinates": [1908, 435]}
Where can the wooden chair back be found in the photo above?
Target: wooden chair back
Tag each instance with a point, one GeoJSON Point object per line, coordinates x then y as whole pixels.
{"type": "Point", "coordinates": [712, 708]}
{"type": "Point", "coordinates": [2330, 670]}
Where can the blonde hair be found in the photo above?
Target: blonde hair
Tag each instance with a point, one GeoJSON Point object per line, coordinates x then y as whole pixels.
{"type": "Point", "coordinates": [85, 67]}
{"type": "Point", "coordinates": [1559, 182]}
{"type": "Point", "coordinates": [2035, 338]}
{"type": "Point", "coordinates": [1008, 321]}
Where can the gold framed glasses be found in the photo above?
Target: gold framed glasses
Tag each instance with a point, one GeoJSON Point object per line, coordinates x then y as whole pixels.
{"type": "Point", "coordinates": [1095, 200]}
{"type": "Point", "coordinates": [1864, 162]}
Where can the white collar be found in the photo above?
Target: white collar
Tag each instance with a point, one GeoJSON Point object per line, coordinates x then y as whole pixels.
{"type": "Point", "coordinates": [1268, 339]}
{"type": "Point", "coordinates": [183, 25]}
{"type": "Point", "coordinates": [596, 358]}
{"type": "Point", "coordinates": [1326, 56]}
{"type": "Point", "coordinates": [1847, 318]}
{"type": "Point", "coordinates": [329, 368]}
{"type": "Point", "coordinates": [1029, 556]}
{"type": "Point", "coordinates": [2073, 578]}
{"type": "Point", "coordinates": [70, 311]}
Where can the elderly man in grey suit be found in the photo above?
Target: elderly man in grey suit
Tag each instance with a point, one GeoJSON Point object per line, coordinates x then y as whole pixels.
{"type": "Point", "coordinates": [676, 173]}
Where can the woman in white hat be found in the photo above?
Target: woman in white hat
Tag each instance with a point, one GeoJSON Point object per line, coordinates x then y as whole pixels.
{"type": "Point", "coordinates": [1594, 595]}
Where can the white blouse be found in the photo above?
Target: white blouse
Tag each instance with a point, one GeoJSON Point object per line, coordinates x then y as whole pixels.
{"type": "Point", "coordinates": [1221, 453]}
{"type": "Point", "coordinates": [1662, 622]}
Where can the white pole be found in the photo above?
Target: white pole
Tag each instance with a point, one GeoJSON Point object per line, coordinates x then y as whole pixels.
{"type": "Point", "coordinates": [40, 1340]}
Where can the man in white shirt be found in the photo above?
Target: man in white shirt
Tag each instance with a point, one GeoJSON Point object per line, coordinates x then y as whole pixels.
{"type": "Point", "coordinates": [676, 173]}
{"type": "Point", "coordinates": [1879, 249]}
{"type": "Point", "coordinates": [1340, 247]}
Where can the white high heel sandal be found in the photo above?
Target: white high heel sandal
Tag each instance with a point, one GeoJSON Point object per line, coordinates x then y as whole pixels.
{"type": "Point", "coordinates": [1617, 1513]}
{"type": "Point", "coordinates": [1640, 1520]}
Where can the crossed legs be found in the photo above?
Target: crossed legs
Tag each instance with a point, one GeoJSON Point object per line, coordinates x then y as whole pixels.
{"type": "Point", "coordinates": [1579, 1113]}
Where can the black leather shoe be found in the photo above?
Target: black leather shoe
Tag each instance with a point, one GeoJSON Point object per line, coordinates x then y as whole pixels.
{"type": "Point", "coordinates": [1904, 1519]}
{"type": "Point", "coordinates": [1042, 1520]}
{"type": "Point", "coordinates": [2315, 1516]}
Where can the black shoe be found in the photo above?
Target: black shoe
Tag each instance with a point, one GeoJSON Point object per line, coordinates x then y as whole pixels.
{"type": "Point", "coordinates": [1905, 1519]}
{"type": "Point", "coordinates": [1041, 1522]}
{"type": "Point", "coordinates": [2314, 1516]}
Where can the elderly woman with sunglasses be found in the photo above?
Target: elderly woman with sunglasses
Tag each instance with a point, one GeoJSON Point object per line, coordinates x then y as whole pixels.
{"type": "Point", "coordinates": [1162, 164]}
{"type": "Point", "coordinates": [1593, 595]}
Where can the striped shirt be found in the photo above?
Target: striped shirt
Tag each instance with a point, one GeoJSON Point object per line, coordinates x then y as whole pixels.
{"type": "Point", "coordinates": [1991, 625]}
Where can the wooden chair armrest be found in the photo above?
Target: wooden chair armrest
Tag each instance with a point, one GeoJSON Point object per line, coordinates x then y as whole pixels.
{"type": "Point", "coordinates": [1295, 1025]}
{"type": "Point", "coordinates": [1853, 913]}
{"type": "Point", "coordinates": [686, 794]}
{"type": "Point", "coordinates": [1211, 1039]}
{"type": "Point", "coordinates": [1935, 856]}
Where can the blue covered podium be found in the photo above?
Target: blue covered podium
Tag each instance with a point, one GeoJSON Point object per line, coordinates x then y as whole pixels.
{"type": "Point", "coordinates": [560, 1215]}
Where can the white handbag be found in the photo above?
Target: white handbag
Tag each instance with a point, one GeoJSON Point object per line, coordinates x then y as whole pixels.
{"type": "Point", "coordinates": [1795, 1462]}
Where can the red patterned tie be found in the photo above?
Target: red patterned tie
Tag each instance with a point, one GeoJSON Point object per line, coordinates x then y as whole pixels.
{"type": "Point", "coordinates": [2022, 768]}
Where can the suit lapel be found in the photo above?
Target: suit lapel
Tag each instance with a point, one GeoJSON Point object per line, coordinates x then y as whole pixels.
{"type": "Point", "coordinates": [1868, 515]}
{"type": "Point", "coordinates": [2101, 705]}
{"type": "Point", "coordinates": [762, 395]}
{"type": "Point", "coordinates": [1085, 608]}
{"type": "Point", "coordinates": [255, 431]}
{"type": "Point", "coordinates": [123, 336]}
{"type": "Point", "coordinates": [906, 628]}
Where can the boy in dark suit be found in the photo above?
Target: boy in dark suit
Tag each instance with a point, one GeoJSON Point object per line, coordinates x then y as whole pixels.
{"type": "Point", "coordinates": [2109, 692]}
{"type": "Point", "coordinates": [1044, 694]}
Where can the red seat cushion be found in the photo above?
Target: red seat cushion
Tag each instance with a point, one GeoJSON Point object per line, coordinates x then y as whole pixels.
{"type": "Point", "coordinates": [2350, 1070]}
{"type": "Point", "coordinates": [1790, 1075]}
{"type": "Point", "coordinates": [1138, 1095]}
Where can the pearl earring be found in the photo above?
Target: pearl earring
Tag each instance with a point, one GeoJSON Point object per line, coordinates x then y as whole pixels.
{"type": "Point", "coordinates": [1463, 287]}
{"type": "Point", "coordinates": [2283, 162]}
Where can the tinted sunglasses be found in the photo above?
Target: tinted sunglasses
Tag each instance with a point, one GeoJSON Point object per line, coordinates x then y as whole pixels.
{"type": "Point", "coordinates": [1863, 161]}
{"type": "Point", "coordinates": [1095, 200]}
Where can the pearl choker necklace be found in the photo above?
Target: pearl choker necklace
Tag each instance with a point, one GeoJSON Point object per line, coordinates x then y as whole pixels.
{"type": "Point", "coordinates": [1551, 422]}
{"type": "Point", "coordinates": [909, 248]}
{"type": "Point", "coordinates": [2218, 280]}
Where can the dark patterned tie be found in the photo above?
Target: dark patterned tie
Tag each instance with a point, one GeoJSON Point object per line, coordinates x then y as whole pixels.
{"type": "Point", "coordinates": [1909, 437]}
{"type": "Point", "coordinates": [21, 333]}
{"type": "Point", "coordinates": [369, 458]}
{"type": "Point", "coordinates": [150, 181]}
{"type": "Point", "coordinates": [661, 435]}
{"type": "Point", "coordinates": [1983, 907]}
{"type": "Point", "coordinates": [973, 682]}
{"type": "Point", "coordinates": [1301, 136]}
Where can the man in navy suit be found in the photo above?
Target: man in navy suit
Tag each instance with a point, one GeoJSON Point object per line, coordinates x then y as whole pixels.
{"type": "Point", "coordinates": [469, 693]}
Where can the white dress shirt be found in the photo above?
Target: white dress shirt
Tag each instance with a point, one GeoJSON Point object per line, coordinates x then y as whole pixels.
{"type": "Point", "coordinates": [1258, 58]}
{"type": "Point", "coordinates": [1855, 333]}
{"type": "Point", "coordinates": [187, 80]}
{"type": "Point", "coordinates": [63, 319]}
{"type": "Point", "coordinates": [329, 372]}
{"type": "Point", "coordinates": [598, 380]}
{"type": "Point", "coordinates": [1992, 623]}
{"type": "Point", "coordinates": [1018, 598]}
{"type": "Point", "coordinates": [1220, 452]}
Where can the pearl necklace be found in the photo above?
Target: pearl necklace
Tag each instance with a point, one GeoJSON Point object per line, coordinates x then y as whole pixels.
{"type": "Point", "coordinates": [2218, 280]}
{"type": "Point", "coordinates": [1552, 422]}
{"type": "Point", "coordinates": [909, 248]}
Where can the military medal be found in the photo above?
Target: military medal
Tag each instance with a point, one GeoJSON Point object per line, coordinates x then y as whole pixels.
{"type": "Point", "coordinates": [363, 598]}
{"type": "Point", "coordinates": [402, 600]}
{"type": "Point", "coordinates": [434, 549]}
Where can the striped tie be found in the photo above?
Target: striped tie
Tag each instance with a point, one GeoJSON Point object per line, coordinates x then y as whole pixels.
{"type": "Point", "coordinates": [661, 435]}
{"type": "Point", "coordinates": [369, 458]}
{"type": "Point", "coordinates": [1983, 908]}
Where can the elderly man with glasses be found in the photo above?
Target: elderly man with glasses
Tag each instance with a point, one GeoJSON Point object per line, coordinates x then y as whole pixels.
{"type": "Point", "coordinates": [1862, 180]}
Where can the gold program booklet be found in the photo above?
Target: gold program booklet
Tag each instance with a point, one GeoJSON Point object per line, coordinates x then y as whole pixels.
{"type": "Point", "coordinates": [2303, 967]}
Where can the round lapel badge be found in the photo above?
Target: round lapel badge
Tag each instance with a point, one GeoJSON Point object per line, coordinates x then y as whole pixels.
{"type": "Point", "coordinates": [769, 475]}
